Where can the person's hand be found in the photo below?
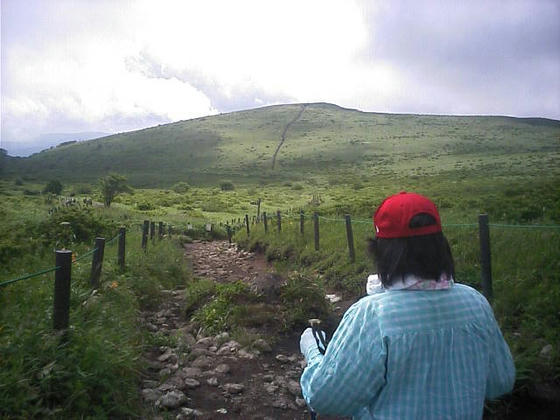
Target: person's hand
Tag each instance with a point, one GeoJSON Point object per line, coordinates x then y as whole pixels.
{"type": "Point", "coordinates": [309, 346]}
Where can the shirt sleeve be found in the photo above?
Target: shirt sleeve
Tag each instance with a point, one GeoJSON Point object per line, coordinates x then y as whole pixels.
{"type": "Point", "coordinates": [501, 372]}
{"type": "Point", "coordinates": [352, 371]}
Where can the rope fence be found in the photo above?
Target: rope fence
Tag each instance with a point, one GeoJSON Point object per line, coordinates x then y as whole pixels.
{"type": "Point", "coordinates": [64, 259]}
{"type": "Point", "coordinates": [370, 221]}
{"type": "Point", "coordinates": [29, 276]}
{"type": "Point", "coordinates": [483, 228]}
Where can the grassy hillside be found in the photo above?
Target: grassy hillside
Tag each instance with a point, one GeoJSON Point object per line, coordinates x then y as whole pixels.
{"type": "Point", "coordinates": [325, 144]}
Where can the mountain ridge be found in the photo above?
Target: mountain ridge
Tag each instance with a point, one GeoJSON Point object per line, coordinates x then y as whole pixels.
{"type": "Point", "coordinates": [324, 138]}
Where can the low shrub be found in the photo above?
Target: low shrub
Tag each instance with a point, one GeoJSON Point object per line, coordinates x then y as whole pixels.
{"type": "Point", "coordinates": [216, 315]}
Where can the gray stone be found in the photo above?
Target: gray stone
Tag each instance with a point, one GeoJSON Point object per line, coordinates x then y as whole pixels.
{"type": "Point", "coordinates": [213, 381]}
{"type": "Point", "coordinates": [164, 372]}
{"type": "Point", "coordinates": [199, 351]}
{"type": "Point", "coordinates": [172, 399]}
{"type": "Point", "coordinates": [244, 354]}
{"type": "Point", "coordinates": [268, 377]}
{"type": "Point", "coordinates": [166, 387]}
{"type": "Point", "coordinates": [229, 348]}
{"type": "Point", "coordinates": [262, 345]}
{"type": "Point", "coordinates": [222, 368]}
{"type": "Point", "coordinates": [187, 339]}
{"type": "Point", "coordinates": [222, 337]}
{"type": "Point", "coordinates": [206, 342]}
{"type": "Point", "coordinates": [168, 357]}
{"type": "Point", "coordinates": [280, 403]}
{"type": "Point", "coordinates": [188, 413]}
{"type": "Point", "coordinates": [221, 411]}
{"type": "Point", "coordinates": [202, 362]}
{"type": "Point", "coordinates": [234, 388]}
{"type": "Point", "coordinates": [280, 380]}
{"type": "Point", "coordinates": [300, 402]}
{"type": "Point", "coordinates": [192, 372]}
{"type": "Point", "coordinates": [271, 388]}
{"type": "Point", "coordinates": [294, 388]}
{"type": "Point", "coordinates": [282, 358]}
{"type": "Point", "coordinates": [191, 383]}
{"type": "Point", "coordinates": [546, 351]}
{"type": "Point", "coordinates": [151, 395]}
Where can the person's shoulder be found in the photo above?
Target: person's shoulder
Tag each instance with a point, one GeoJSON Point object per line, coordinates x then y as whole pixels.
{"type": "Point", "coordinates": [366, 303]}
{"type": "Point", "coordinates": [468, 292]}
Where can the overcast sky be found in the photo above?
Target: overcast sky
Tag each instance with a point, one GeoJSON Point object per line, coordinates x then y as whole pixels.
{"type": "Point", "coordinates": [118, 65]}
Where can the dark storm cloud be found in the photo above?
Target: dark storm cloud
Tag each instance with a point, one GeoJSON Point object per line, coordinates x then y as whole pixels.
{"type": "Point", "coordinates": [506, 52]}
{"type": "Point", "coordinates": [223, 98]}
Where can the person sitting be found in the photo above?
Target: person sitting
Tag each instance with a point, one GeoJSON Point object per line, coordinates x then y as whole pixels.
{"type": "Point", "coordinates": [423, 347]}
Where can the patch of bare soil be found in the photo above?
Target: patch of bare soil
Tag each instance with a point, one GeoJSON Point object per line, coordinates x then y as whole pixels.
{"type": "Point", "coordinates": [215, 377]}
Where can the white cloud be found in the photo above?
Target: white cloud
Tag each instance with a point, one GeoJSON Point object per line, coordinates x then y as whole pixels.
{"type": "Point", "coordinates": [77, 65]}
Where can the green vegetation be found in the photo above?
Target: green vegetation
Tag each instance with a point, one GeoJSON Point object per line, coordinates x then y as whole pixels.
{"type": "Point", "coordinates": [326, 142]}
{"type": "Point", "coordinates": [111, 185]}
{"type": "Point", "coordinates": [334, 161]}
{"type": "Point", "coordinates": [93, 370]}
{"type": "Point", "coordinates": [54, 187]}
{"type": "Point", "coordinates": [235, 307]}
{"type": "Point", "coordinates": [525, 258]}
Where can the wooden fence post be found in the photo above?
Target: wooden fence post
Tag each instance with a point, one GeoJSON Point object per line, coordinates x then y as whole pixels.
{"type": "Point", "coordinates": [258, 210]}
{"type": "Point", "coordinates": [152, 230]}
{"type": "Point", "coordinates": [145, 229]}
{"type": "Point", "coordinates": [247, 223]}
{"type": "Point", "coordinates": [301, 221]}
{"type": "Point", "coordinates": [122, 242]}
{"type": "Point", "coordinates": [485, 258]}
{"type": "Point", "coordinates": [279, 220]}
{"type": "Point", "coordinates": [97, 262]}
{"type": "Point", "coordinates": [62, 279]}
{"type": "Point", "coordinates": [350, 238]}
{"type": "Point", "coordinates": [160, 230]}
{"type": "Point", "coordinates": [265, 221]}
{"type": "Point", "coordinates": [228, 228]}
{"type": "Point", "coordinates": [316, 230]}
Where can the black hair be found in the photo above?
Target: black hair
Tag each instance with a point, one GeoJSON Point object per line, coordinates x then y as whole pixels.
{"type": "Point", "coordinates": [425, 256]}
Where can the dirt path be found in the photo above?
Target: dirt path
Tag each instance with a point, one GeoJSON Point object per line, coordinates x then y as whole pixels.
{"type": "Point", "coordinates": [283, 137]}
{"type": "Point", "coordinates": [216, 377]}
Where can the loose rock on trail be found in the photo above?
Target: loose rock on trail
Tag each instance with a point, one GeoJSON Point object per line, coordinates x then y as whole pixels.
{"type": "Point", "coordinates": [215, 377]}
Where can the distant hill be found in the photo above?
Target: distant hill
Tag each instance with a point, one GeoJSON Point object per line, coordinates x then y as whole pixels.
{"type": "Point", "coordinates": [304, 140]}
{"type": "Point", "coordinates": [46, 141]}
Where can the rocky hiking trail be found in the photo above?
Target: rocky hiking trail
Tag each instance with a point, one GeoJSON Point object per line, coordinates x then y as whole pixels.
{"type": "Point", "coordinates": [215, 377]}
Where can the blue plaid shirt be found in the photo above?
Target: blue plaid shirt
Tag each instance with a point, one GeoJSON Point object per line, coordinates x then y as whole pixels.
{"type": "Point", "coordinates": [409, 354]}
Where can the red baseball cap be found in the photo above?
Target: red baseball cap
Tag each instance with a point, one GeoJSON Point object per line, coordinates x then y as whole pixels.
{"type": "Point", "coordinates": [392, 218]}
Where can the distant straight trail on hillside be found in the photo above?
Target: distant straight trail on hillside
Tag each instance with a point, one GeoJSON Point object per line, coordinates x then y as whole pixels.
{"type": "Point", "coordinates": [283, 138]}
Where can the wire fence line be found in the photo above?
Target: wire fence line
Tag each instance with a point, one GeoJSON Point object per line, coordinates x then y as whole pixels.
{"type": "Point", "coordinates": [29, 276]}
{"type": "Point", "coordinates": [296, 216]}
{"type": "Point", "coordinates": [483, 226]}
{"type": "Point", "coordinates": [48, 270]}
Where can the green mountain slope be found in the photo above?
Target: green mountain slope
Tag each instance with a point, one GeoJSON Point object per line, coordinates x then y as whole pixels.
{"type": "Point", "coordinates": [325, 140]}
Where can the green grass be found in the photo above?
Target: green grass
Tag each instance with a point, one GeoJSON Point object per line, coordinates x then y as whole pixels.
{"type": "Point", "coordinates": [525, 269]}
{"type": "Point", "coordinates": [335, 161]}
{"type": "Point", "coordinates": [94, 369]}
{"type": "Point", "coordinates": [348, 144]}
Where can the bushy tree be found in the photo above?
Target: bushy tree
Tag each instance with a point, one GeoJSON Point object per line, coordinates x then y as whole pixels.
{"type": "Point", "coordinates": [181, 187]}
{"type": "Point", "coordinates": [112, 185]}
{"type": "Point", "coordinates": [227, 186]}
{"type": "Point", "coordinates": [54, 186]}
